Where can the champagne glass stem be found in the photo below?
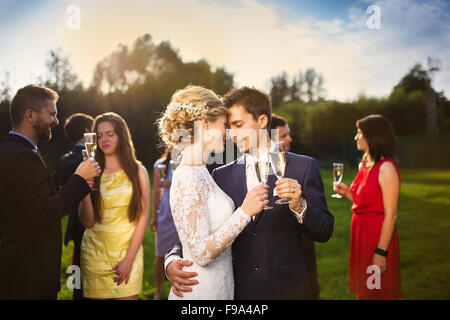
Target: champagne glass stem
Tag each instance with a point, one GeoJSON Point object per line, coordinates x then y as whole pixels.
{"type": "Point", "coordinates": [338, 171]}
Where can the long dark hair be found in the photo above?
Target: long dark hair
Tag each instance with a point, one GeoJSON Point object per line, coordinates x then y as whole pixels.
{"type": "Point", "coordinates": [127, 159]}
{"type": "Point", "coordinates": [380, 137]}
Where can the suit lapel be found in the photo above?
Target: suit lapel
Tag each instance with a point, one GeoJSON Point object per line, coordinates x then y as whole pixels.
{"type": "Point", "coordinates": [39, 156]}
{"type": "Point", "coordinates": [34, 150]}
{"type": "Point", "coordinates": [15, 137]}
{"type": "Point", "coordinates": [288, 157]}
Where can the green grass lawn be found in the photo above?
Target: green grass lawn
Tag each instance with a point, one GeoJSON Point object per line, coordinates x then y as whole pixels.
{"type": "Point", "coordinates": [423, 222]}
{"type": "Point", "coordinates": [424, 231]}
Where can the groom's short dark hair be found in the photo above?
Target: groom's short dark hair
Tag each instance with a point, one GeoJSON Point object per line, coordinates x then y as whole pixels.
{"type": "Point", "coordinates": [254, 101]}
{"type": "Point", "coordinates": [30, 97]}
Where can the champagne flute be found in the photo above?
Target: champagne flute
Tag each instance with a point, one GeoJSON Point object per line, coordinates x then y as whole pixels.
{"type": "Point", "coordinates": [162, 175]}
{"type": "Point", "coordinates": [162, 171]}
{"type": "Point", "coordinates": [338, 171]}
{"type": "Point", "coordinates": [174, 164]}
{"type": "Point", "coordinates": [278, 160]}
{"type": "Point", "coordinates": [90, 142]}
{"type": "Point", "coordinates": [85, 154]}
{"type": "Point", "coordinates": [262, 166]}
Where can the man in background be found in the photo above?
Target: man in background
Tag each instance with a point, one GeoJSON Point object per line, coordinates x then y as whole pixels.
{"type": "Point", "coordinates": [75, 127]}
{"type": "Point", "coordinates": [309, 249]}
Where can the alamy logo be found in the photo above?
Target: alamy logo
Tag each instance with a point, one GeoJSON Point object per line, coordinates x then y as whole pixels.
{"type": "Point", "coordinates": [373, 22]}
{"type": "Point", "coordinates": [74, 281]}
{"type": "Point", "coordinates": [74, 19]}
{"type": "Point", "coordinates": [374, 281]}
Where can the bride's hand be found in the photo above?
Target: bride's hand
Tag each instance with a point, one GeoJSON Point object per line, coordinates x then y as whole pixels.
{"type": "Point", "coordinates": [256, 199]}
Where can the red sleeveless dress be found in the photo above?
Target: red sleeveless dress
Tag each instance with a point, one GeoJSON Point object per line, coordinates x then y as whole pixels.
{"type": "Point", "coordinates": [367, 220]}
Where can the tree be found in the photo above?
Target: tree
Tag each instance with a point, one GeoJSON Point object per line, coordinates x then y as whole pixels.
{"type": "Point", "coordinates": [419, 79]}
{"type": "Point", "coordinates": [5, 87]}
{"type": "Point", "coordinates": [314, 85]}
{"type": "Point", "coordinates": [280, 89]}
{"type": "Point", "coordinates": [307, 86]}
{"type": "Point", "coordinates": [59, 71]}
{"type": "Point", "coordinates": [137, 83]}
{"type": "Point", "coordinates": [432, 120]}
{"type": "Point", "coordinates": [295, 88]}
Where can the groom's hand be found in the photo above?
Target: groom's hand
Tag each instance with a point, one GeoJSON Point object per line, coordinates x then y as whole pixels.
{"type": "Point", "coordinates": [178, 278]}
{"type": "Point", "coordinates": [289, 189]}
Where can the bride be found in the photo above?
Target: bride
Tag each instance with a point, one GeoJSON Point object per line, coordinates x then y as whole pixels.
{"type": "Point", "coordinates": [205, 217]}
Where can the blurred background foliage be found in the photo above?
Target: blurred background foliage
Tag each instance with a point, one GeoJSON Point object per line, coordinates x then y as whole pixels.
{"type": "Point", "coordinates": [138, 81]}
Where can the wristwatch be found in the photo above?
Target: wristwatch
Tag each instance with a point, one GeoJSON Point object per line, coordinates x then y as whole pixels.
{"type": "Point", "coordinates": [301, 205]}
{"type": "Point", "coordinates": [381, 252]}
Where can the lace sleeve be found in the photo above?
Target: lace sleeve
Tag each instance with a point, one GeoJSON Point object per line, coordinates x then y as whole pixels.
{"type": "Point", "coordinates": [189, 200]}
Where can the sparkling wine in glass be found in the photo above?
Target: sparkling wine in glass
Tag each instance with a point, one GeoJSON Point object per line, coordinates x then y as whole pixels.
{"type": "Point", "coordinates": [338, 171]}
{"type": "Point", "coordinates": [278, 160]}
{"type": "Point", "coordinates": [85, 154]}
{"type": "Point", "coordinates": [262, 167]}
{"type": "Point", "coordinates": [162, 171]}
{"type": "Point", "coordinates": [174, 164]}
{"type": "Point", "coordinates": [90, 142]}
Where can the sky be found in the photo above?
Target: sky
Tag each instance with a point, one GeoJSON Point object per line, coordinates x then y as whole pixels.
{"type": "Point", "coordinates": [254, 40]}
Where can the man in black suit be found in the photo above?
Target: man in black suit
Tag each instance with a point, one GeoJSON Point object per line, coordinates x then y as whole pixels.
{"type": "Point", "coordinates": [30, 218]}
{"type": "Point", "coordinates": [268, 256]}
{"type": "Point", "coordinates": [74, 128]}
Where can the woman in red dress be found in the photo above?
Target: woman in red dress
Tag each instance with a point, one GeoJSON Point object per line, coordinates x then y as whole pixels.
{"type": "Point", "coordinates": [374, 193]}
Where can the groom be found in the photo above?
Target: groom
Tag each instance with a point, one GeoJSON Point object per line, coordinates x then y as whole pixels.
{"type": "Point", "coordinates": [268, 258]}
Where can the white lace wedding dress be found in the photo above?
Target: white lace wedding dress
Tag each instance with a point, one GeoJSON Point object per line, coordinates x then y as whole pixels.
{"type": "Point", "coordinates": [207, 226]}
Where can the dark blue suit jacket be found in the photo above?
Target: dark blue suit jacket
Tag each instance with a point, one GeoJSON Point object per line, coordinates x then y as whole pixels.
{"type": "Point", "coordinates": [268, 260]}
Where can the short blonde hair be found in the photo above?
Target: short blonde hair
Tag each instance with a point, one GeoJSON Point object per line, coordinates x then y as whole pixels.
{"type": "Point", "coordinates": [186, 106]}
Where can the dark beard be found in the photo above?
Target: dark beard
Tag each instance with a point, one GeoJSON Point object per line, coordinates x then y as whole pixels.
{"type": "Point", "coordinates": [43, 132]}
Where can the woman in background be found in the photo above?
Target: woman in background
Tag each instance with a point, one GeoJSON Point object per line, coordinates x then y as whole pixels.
{"type": "Point", "coordinates": [115, 216]}
{"type": "Point", "coordinates": [162, 221]}
{"type": "Point", "coordinates": [374, 193]}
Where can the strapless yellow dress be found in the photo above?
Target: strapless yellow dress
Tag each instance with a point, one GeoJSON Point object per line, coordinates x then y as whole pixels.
{"type": "Point", "coordinates": [106, 244]}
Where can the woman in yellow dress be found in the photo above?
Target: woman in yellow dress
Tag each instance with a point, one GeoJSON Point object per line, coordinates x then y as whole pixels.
{"type": "Point", "coordinates": [115, 216]}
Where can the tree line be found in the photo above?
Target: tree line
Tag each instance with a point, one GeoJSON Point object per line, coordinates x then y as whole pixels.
{"type": "Point", "coordinates": [135, 82]}
{"type": "Point", "coordinates": [323, 128]}
{"type": "Point", "coordinates": [138, 81]}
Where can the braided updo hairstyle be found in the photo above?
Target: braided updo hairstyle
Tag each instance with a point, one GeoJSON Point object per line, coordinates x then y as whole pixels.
{"type": "Point", "coordinates": [193, 103]}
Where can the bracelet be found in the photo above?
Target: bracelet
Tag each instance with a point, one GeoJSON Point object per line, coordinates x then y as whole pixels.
{"type": "Point", "coordinates": [381, 252]}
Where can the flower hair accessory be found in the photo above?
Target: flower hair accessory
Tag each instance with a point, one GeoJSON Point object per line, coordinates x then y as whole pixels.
{"type": "Point", "coordinates": [187, 106]}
